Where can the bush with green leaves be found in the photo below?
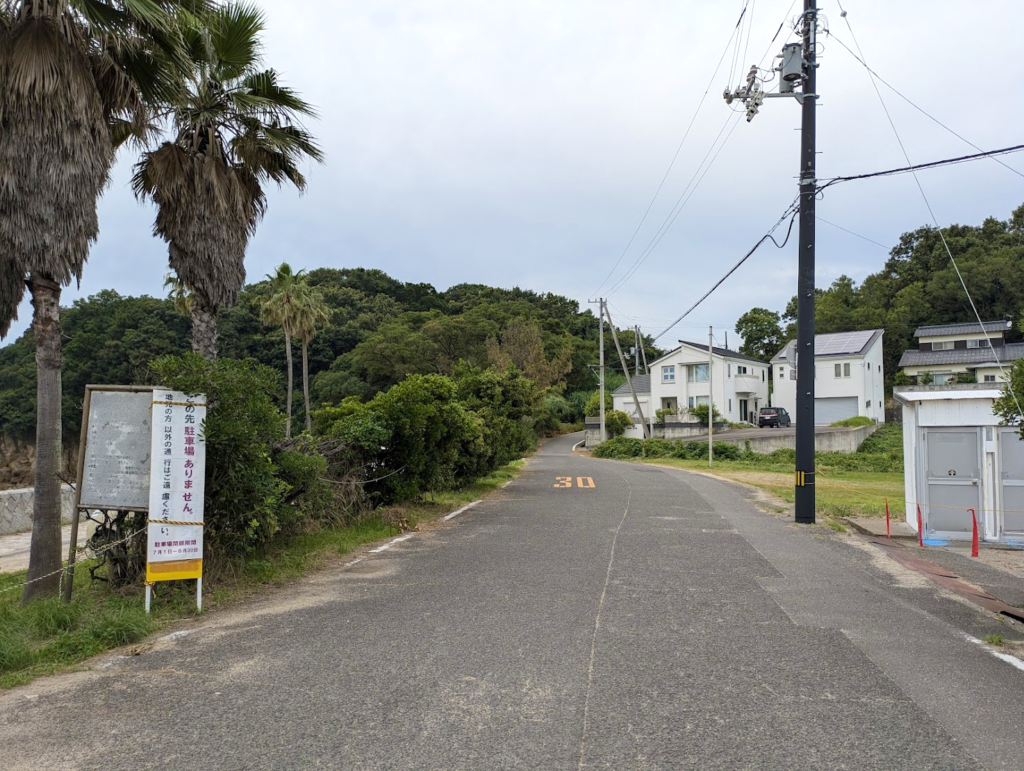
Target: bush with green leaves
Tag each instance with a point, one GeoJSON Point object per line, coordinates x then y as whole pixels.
{"type": "Point", "coordinates": [616, 422]}
{"type": "Point", "coordinates": [593, 406]}
{"type": "Point", "coordinates": [511, 410]}
{"type": "Point", "coordinates": [627, 448]}
{"type": "Point", "coordinates": [699, 413]}
{"type": "Point", "coordinates": [243, 490]}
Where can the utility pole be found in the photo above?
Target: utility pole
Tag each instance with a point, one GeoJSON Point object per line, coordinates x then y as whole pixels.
{"type": "Point", "coordinates": [647, 369]}
{"type": "Point", "coordinates": [600, 347]}
{"type": "Point", "coordinates": [636, 350]}
{"type": "Point", "coordinates": [711, 398]}
{"type": "Point", "coordinates": [625, 369]}
{"type": "Point", "coordinates": [799, 65]}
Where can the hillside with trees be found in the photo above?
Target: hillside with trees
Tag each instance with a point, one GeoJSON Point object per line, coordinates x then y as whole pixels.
{"type": "Point", "coordinates": [917, 286]}
{"type": "Point", "coordinates": [376, 332]}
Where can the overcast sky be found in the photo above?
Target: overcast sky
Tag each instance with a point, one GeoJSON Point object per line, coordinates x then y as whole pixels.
{"type": "Point", "coordinates": [519, 142]}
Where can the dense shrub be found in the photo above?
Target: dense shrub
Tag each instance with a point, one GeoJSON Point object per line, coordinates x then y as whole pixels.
{"type": "Point", "coordinates": [243, 491]}
{"type": "Point", "coordinates": [626, 448]}
{"type": "Point", "coordinates": [854, 422]}
{"type": "Point", "coordinates": [616, 422]}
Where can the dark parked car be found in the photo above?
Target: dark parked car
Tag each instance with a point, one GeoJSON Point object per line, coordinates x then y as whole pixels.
{"type": "Point", "coordinates": [773, 417]}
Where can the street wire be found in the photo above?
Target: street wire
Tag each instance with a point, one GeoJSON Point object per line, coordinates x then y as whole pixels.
{"type": "Point", "coordinates": [901, 95]}
{"type": "Point", "coordinates": [858, 235]}
{"type": "Point", "coordinates": [931, 211]}
{"type": "Point", "coordinates": [791, 213]}
{"type": "Point", "coordinates": [675, 156]}
{"type": "Point", "coordinates": [680, 204]}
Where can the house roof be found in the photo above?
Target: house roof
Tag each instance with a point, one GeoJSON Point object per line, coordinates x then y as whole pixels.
{"type": "Point", "coordinates": [933, 393]}
{"type": "Point", "coordinates": [723, 352]}
{"type": "Point", "coordinates": [970, 328]}
{"type": "Point", "coordinates": [836, 344]}
{"type": "Point", "coordinates": [1006, 354]}
{"type": "Point", "coordinates": [642, 384]}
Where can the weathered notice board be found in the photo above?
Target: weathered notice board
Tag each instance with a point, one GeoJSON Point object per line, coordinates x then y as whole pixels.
{"type": "Point", "coordinates": [117, 450]}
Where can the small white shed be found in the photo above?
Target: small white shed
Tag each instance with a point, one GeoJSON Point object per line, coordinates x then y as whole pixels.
{"type": "Point", "coordinates": [958, 457]}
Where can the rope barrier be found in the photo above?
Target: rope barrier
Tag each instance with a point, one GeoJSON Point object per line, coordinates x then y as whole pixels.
{"type": "Point", "coordinates": [64, 568]}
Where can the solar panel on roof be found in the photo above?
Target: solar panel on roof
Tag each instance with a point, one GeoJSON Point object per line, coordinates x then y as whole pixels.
{"type": "Point", "coordinates": [842, 342]}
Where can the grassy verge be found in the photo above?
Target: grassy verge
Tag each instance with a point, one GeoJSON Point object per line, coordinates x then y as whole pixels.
{"type": "Point", "coordinates": [839, 493]}
{"type": "Point", "coordinates": [49, 636]}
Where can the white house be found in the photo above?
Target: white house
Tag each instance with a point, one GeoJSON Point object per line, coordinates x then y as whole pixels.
{"type": "Point", "coordinates": [679, 380]}
{"type": "Point", "coordinates": [947, 350]}
{"type": "Point", "coordinates": [848, 379]}
{"type": "Point", "coordinates": [622, 397]}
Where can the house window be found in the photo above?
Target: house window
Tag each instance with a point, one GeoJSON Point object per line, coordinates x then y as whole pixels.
{"type": "Point", "coordinates": [869, 404]}
{"type": "Point", "coordinates": [695, 400]}
{"type": "Point", "coordinates": [941, 378]}
{"type": "Point", "coordinates": [782, 371]}
{"type": "Point", "coordinates": [974, 343]}
{"type": "Point", "coordinates": [730, 406]}
{"type": "Point", "coordinates": [762, 376]}
{"type": "Point", "coordinates": [740, 370]}
{"type": "Point", "coordinates": [668, 374]}
{"type": "Point", "coordinates": [839, 370]}
{"type": "Point", "coordinates": [843, 370]}
{"type": "Point", "coordinates": [989, 379]}
{"type": "Point", "coordinates": [697, 373]}
{"type": "Point", "coordinates": [944, 346]}
{"type": "Point", "coordinates": [728, 370]}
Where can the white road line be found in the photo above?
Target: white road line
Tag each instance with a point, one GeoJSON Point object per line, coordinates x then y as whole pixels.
{"type": "Point", "coordinates": [391, 543]}
{"type": "Point", "coordinates": [353, 562]}
{"type": "Point", "coordinates": [1011, 660]}
{"type": "Point", "coordinates": [459, 511]}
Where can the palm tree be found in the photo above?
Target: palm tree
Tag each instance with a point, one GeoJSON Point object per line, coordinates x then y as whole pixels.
{"type": "Point", "coordinates": [282, 308]}
{"type": "Point", "coordinates": [234, 129]}
{"type": "Point", "coordinates": [312, 312]}
{"type": "Point", "coordinates": [76, 78]}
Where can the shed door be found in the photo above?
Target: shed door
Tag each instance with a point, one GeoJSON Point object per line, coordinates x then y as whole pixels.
{"type": "Point", "coordinates": [1011, 475]}
{"type": "Point", "coordinates": [952, 475]}
{"type": "Point", "coordinates": [828, 411]}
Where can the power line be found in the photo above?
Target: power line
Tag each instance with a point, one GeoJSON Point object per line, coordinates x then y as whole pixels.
{"type": "Point", "coordinates": [672, 163]}
{"type": "Point", "coordinates": [913, 169]}
{"type": "Point", "coordinates": [680, 204]}
{"type": "Point", "coordinates": [931, 211]}
{"type": "Point", "coordinates": [906, 98]}
{"type": "Point", "coordinates": [858, 235]}
{"type": "Point", "coordinates": [790, 212]}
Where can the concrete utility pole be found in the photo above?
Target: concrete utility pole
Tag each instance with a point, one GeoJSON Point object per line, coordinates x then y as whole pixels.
{"type": "Point", "coordinates": [600, 346]}
{"type": "Point", "coordinates": [799, 64]}
{"type": "Point", "coordinates": [647, 369]}
{"type": "Point", "coordinates": [625, 368]}
{"type": "Point", "coordinates": [711, 398]}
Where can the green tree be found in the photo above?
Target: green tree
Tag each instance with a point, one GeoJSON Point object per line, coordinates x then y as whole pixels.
{"type": "Point", "coordinates": [235, 128]}
{"type": "Point", "coordinates": [616, 422]}
{"type": "Point", "coordinates": [761, 333]}
{"type": "Point", "coordinates": [282, 308]}
{"type": "Point", "coordinates": [521, 346]}
{"type": "Point", "coordinates": [312, 313]}
{"type": "Point", "coordinates": [76, 78]}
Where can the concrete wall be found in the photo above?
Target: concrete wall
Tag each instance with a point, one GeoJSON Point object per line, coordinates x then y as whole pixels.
{"type": "Point", "coordinates": [837, 440]}
{"type": "Point", "coordinates": [16, 509]}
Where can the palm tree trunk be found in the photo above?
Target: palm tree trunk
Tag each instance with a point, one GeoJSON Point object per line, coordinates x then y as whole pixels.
{"type": "Point", "coordinates": [44, 555]}
{"type": "Point", "coordinates": [204, 328]}
{"type": "Point", "coordinates": [291, 384]}
{"type": "Point", "coordinates": [305, 381]}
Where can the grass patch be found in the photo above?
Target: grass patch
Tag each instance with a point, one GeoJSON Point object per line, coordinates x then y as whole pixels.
{"type": "Point", "coordinates": [994, 639]}
{"type": "Point", "coordinates": [854, 422]}
{"type": "Point", "coordinates": [839, 493]}
{"type": "Point", "coordinates": [49, 636]}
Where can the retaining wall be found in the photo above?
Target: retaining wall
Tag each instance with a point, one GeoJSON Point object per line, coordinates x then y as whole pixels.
{"type": "Point", "coordinates": [835, 440]}
{"type": "Point", "coordinates": [16, 508]}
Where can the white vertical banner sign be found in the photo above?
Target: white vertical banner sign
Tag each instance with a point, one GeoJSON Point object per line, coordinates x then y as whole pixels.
{"type": "Point", "coordinates": [177, 483]}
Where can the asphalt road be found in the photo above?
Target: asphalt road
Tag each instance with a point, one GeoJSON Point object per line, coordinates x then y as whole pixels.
{"type": "Point", "coordinates": [657, 619]}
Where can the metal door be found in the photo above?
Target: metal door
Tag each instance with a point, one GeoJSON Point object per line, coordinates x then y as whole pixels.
{"type": "Point", "coordinates": [952, 463]}
{"type": "Point", "coordinates": [1011, 476]}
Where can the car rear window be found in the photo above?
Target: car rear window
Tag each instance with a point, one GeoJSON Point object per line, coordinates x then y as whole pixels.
{"type": "Point", "coordinates": [769, 412]}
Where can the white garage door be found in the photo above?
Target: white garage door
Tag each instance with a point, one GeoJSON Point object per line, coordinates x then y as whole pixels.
{"type": "Point", "coordinates": [828, 411]}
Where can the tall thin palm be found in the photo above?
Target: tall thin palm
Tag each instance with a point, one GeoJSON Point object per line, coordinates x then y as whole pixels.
{"type": "Point", "coordinates": [282, 308]}
{"type": "Point", "coordinates": [312, 312]}
{"type": "Point", "coordinates": [76, 79]}
{"type": "Point", "coordinates": [234, 130]}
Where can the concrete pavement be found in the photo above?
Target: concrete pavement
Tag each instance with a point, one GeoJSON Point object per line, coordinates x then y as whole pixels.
{"type": "Point", "coordinates": [655, 619]}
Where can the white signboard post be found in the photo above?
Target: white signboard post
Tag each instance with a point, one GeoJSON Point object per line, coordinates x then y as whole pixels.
{"type": "Point", "coordinates": [176, 488]}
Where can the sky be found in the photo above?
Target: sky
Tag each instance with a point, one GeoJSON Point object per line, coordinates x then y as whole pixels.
{"type": "Point", "coordinates": [520, 142]}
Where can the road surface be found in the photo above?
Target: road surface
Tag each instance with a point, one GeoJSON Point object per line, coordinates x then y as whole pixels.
{"type": "Point", "coordinates": [595, 614]}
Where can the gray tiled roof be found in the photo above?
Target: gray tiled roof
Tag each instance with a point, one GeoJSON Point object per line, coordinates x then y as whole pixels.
{"type": "Point", "coordinates": [970, 328]}
{"type": "Point", "coordinates": [1006, 353]}
{"type": "Point", "coordinates": [642, 384]}
{"type": "Point", "coordinates": [836, 344]}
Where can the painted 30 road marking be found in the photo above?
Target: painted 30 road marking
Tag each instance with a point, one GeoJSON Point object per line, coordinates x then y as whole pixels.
{"type": "Point", "coordinates": [563, 483]}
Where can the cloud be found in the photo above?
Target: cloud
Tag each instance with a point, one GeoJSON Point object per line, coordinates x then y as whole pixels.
{"type": "Point", "coordinates": [519, 143]}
